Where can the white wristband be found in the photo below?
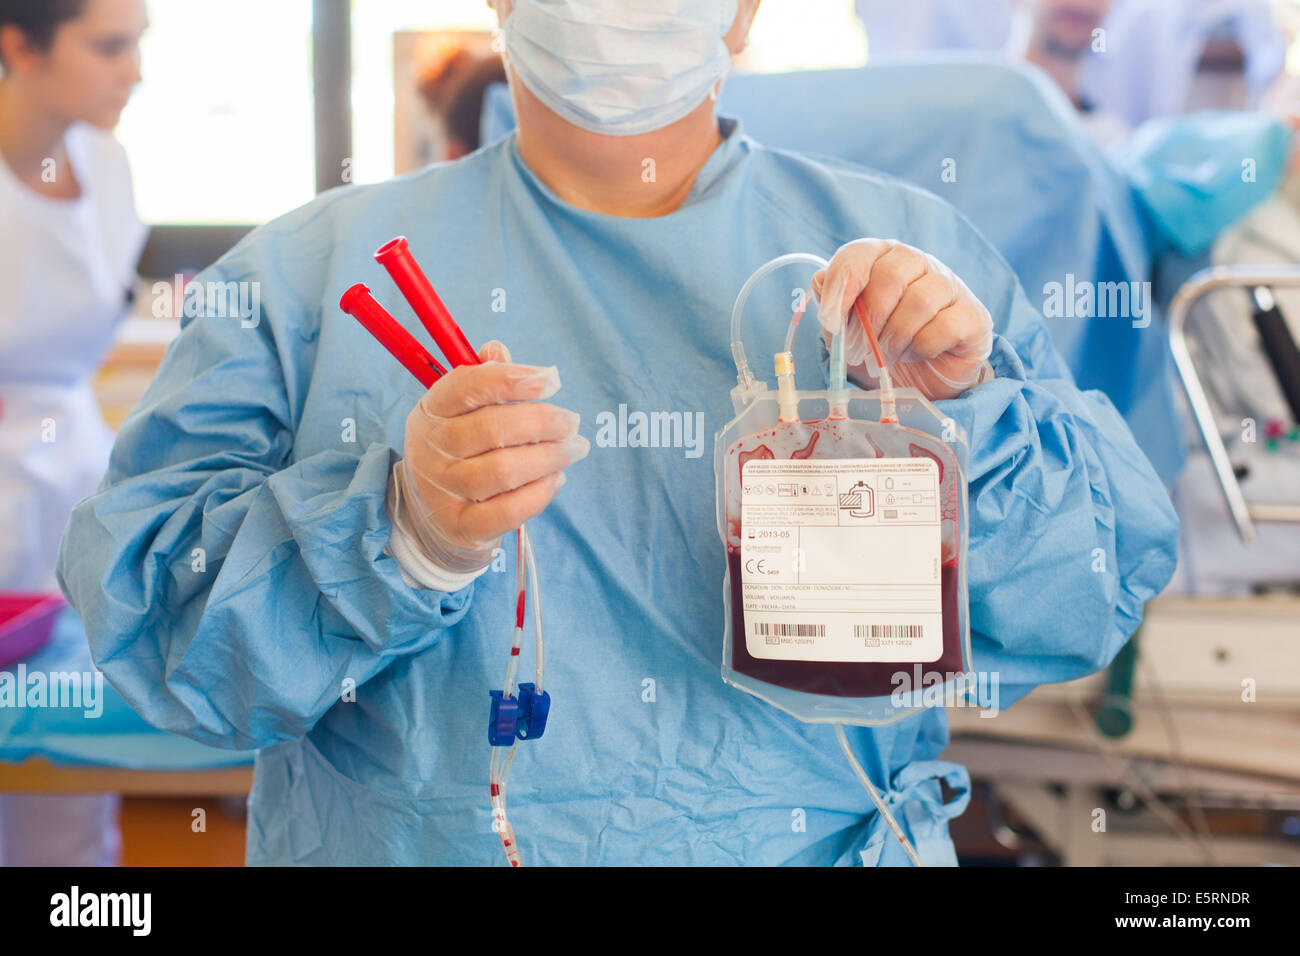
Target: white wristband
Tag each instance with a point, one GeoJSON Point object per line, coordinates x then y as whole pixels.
{"type": "Point", "coordinates": [417, 570]}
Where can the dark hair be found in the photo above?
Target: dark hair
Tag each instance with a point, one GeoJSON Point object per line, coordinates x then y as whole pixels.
{"type": "Point", "coordinates": [39, 19]}
{"type": "Point", "coordinates": [455, 92]}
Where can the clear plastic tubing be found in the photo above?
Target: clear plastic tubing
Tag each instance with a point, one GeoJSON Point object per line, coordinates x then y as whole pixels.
{"type": "Point", "coordinates": [794, 322]}
{"type": "Point", "coordinates": [743, 374]}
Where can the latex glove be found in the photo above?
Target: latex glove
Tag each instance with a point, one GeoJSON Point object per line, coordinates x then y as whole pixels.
{"type": "Point", "coordinates": [483, 454]}
{"type": "Point", "coordinates": [935, 335]}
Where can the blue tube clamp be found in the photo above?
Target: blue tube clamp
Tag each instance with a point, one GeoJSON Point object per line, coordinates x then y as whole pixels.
{"type": "Point", "coordinates": [533, 710]}
{"type": "Point", "coordinates": [503, 724]}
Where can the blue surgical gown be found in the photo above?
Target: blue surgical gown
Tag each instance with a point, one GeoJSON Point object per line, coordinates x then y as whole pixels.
{"type": "Point", "coordinates": [232, 574]}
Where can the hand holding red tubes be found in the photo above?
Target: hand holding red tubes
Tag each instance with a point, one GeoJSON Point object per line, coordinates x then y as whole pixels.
{"type": "Point", "coordinates": [934, 333]}
{"type": "Point", "coordinates": [483, 454]}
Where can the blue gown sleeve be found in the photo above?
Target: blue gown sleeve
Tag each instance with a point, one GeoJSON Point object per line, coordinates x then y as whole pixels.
{"type": "Point", "coordinates": [1071, 531]}
{"type": "Point", "coordinates": [233, 591]}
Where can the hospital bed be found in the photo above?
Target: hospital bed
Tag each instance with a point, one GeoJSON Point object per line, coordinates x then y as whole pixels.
{"type": "Point", "coordinates": [1200, 714]}
{"type": "Point", "coordinates": [59, 750]}
{"type": "Point", "coordinates": [1211, 718]}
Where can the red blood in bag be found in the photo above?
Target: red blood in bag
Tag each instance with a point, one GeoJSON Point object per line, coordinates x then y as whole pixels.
{"type": "Point", "coordinates": [806, 451]}
{"type": "Point", "coordinates": [843, 679]}
{"type": "Point", "coordinates": [919, 452]}
{"type": "Point", "coordinates": [761, 453]}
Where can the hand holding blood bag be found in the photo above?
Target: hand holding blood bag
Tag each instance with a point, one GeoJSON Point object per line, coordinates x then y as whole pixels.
{"type": "Point", "coordinates": [845, 534]}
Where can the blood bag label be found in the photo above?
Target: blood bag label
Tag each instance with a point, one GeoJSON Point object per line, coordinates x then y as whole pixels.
{"type": "Point", "coordinates": [840, 560]}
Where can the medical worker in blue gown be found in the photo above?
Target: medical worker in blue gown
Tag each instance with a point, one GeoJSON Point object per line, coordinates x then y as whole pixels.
{"type": "Point", "coordinates": [287, 511]}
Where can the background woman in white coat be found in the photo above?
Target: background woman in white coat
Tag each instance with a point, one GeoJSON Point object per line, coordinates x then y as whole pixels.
{"type": "Point", "coordinates": [69, 242]}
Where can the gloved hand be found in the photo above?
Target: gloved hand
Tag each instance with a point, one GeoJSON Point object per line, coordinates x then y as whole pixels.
{"type": "Point", "coordinates": [482, 455]}
{"type": "Point", "coordinates": [935, 335]}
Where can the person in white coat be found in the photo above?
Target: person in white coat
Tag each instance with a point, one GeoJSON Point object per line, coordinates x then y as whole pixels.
{"type": "Point", "coordinates": [1153, 48]}
{"type": "Point", "coordinates": [1061, 36]}
{"type": "Point", "coordinates": [69, 242]}
{"type": "Point", "coordinates": [1143, 64]}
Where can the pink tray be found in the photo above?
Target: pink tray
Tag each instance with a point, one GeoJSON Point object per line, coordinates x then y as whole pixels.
{"type": "Point", "coordinates": [26, 622]}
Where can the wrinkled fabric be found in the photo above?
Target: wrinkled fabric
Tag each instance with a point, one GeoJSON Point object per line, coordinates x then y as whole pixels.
{"type": "Point", "coordinates": [915, 799]}
{"type": "Point", "coordinates": [269, 448]}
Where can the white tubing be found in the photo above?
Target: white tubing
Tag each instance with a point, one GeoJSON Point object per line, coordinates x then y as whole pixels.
{"type": "Point", "coordinates": [875, 797]}
{"type": "Point", "coordinates": [743, 375]}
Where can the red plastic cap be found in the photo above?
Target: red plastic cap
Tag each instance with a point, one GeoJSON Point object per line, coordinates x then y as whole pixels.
{"type": "Point", "coordinates": [392, 249]}
{"type": "Point", "coordinates": [358, 290]}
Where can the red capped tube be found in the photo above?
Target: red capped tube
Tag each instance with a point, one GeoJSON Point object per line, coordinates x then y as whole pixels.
{"type": "Point", "coordinates": [361, 305]}
{"type": "Point", "coordinates": [395, 256]}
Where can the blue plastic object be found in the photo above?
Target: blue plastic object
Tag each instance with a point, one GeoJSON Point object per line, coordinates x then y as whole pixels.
{"type": "Point", "coordinates": [533, 710]}
{"type": "Point", "coordinates": [1197, 175]}
{"type": "Point", "coordinates": [504, 721]}
{"type": "Point", "coordinates": [523, 716]}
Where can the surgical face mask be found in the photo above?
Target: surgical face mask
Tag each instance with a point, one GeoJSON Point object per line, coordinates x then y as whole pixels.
{"type": "Point", "coordinates": [620, 67]}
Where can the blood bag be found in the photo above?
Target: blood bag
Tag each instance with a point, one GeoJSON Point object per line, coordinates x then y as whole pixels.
{"type": "Point", "coordinates": [843, 517]}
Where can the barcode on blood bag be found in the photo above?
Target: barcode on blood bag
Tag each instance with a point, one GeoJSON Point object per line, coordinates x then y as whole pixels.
{"type": "Point", "coordinates": [888, 630]}
{"type": "Point", "coordinates": [773, 632]}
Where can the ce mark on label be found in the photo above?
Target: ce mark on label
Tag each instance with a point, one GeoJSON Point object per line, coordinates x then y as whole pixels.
{"type": "Point", "coordinates": [758, 566]}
